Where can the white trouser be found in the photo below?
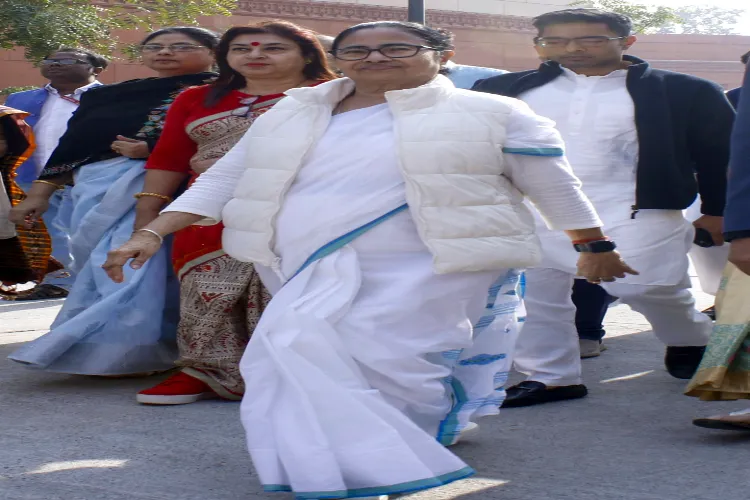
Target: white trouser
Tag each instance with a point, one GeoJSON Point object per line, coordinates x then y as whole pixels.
{"type": "Point", "coordinates": [709, 263]}
{"type": "Point", "coordinates": [547, 349]}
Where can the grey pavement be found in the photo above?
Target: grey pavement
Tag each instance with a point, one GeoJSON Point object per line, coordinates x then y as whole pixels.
{"type": "Point", "coordinates": [79, 438]}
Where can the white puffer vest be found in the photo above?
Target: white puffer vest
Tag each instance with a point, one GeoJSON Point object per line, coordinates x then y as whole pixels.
{"type": "Point", "coordinates": [468, 214]}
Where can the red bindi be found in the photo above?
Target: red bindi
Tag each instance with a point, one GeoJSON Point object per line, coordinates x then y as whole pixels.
{"type": "Point", "coordinates": [255, 44]}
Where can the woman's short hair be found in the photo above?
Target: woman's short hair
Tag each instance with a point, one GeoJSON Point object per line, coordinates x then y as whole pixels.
{"type": "Point", "coordinates": [312, 51]}
{"type": "Point", "coordinates": [202, 36]}
{"type": "Point", "coordinates": [620, 24]}
{"type": "Point", "coordinates": [437, 38]}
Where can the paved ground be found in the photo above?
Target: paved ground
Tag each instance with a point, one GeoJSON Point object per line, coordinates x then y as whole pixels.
{"type": "Point", "coordinates": [77, 438]}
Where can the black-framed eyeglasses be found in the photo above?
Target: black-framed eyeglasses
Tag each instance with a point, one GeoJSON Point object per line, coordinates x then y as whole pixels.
{"type": "Point", "coordinates": [583, 41]}
{"type": "Point", "coordinates": [175, 47]}
{"type": "Point", "coordinates": [391, 50]}
{"type": "Point", "coordinates": [64, 62]}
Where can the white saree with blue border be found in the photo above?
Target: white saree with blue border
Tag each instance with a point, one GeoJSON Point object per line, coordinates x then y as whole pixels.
{"type": "Point", "coordinates": [366, 363]}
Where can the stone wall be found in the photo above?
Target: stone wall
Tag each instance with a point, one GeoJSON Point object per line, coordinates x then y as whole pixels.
{"type": "Point", "coordinates": [495, 38]}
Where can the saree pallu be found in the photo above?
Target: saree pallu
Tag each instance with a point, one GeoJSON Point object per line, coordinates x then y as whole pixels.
{"type": "Point", "coordinates": [25, 254]}
{"type": "Point", "coordinates": [724, 373]}
{"type": "Point", "coordinates": [105, 328]}
{"type": "Point", "coordinates": [134, 108]}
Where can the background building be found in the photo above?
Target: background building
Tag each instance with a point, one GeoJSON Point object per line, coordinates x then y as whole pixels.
{"type": "Point", "coordinates": [494, 33]}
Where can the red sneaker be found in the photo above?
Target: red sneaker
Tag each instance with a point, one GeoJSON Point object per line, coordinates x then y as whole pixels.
{"type": "Point", "coordinates": [179, 389]}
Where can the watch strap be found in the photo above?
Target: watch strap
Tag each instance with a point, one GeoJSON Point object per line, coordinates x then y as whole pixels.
{"type": "Point", "coordinates": [599, 246]}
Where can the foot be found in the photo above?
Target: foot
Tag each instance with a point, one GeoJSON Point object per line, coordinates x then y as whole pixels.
{"type": "Point", "coordinates": [471, 430]}
{"type": "Point", "coordinates": [179, 389]}
{"type": "Point", "coordinates": [40, 292]}
{"type": "Point", "coordinates": [682, 362]}
{"type": "Point", "coordinates": [530, 393]}
{"type": "Point", "coordinates": [591, 348]}
{"type": "Point", "coordinates": [735, 421]}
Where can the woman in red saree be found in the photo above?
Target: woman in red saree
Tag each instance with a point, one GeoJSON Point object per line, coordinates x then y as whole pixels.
{"type": "Point", "coordinates": [24, 253]}
{"type": "Point", "coordinates": [221, 299]}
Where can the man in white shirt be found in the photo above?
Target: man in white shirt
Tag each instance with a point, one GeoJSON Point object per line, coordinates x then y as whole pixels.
{"type": "Point", "coordinates": [71, 72]}
{"type": "Point", "coordinates": [644, 142]}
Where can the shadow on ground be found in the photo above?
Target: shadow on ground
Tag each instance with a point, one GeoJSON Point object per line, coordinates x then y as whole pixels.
{"type": "Point", "coordinates": [80, 438]}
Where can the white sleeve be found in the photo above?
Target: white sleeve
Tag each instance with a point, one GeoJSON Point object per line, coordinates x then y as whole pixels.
{"type": "Point", "coordinates": [535, 163]}
{"type": "Point", "coordinates": [214, 188]}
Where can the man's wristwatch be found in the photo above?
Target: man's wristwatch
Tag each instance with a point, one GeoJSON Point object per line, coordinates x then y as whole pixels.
{"type": "Point", "coordinates": [599, 246]}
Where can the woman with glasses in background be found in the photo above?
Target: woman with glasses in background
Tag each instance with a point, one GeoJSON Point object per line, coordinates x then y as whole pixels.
{"type": "Point", "coordinates": [104, 329]}
{"type": "Point", "coordinates": [387, 203]}
{"type": "Point", "coordinates": [221, 298]}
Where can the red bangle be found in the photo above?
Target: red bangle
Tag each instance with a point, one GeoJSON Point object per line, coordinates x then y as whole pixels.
{"type": "Point", "coordinates": [590, 240]}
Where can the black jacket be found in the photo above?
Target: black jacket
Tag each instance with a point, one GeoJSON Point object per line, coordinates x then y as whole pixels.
{"type": "Point", "coordinates": [684, 124]}
{"type": "Point", "coordinates": [734, 97]}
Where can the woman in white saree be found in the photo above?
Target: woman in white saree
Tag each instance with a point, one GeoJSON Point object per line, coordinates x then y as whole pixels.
{"type": "Point", "coordinates": [379, 209]}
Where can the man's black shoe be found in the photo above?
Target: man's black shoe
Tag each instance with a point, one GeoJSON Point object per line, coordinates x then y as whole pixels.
{"type": "Point", "coordinates": [682, 362]}
{"type": "Point", "coordinates": [531, 393]}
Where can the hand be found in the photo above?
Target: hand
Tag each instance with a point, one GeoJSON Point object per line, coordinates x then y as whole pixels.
{"type": "Point", "coordinates": [132, 148]}
{"type": "Point", "coordinates": [739, 254]}
{"type": "Point", "coordinates": [29, 211]}
{"type": "Point", "coordinates": [714, 225]}
{"type": "Point", "coordinates": [598, 267]}
{"type": "Point", "coordinates": [144, 217]}
{"type": "Point", "coordinates": [140, 247]}
{"type": "Point", "coordinates": [200, 166]}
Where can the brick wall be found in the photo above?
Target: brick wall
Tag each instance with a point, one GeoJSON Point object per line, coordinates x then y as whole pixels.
{"type": "Point", "coordinates": [486, 39]}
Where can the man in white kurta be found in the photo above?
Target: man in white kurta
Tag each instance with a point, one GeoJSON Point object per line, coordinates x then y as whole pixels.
{"type": "Point", "coordinates": [597, 99]}
{"type": "Point", "coordinates": [595, 116]}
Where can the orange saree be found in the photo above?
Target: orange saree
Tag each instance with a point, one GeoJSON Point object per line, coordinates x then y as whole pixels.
{"type": "Point", "coordinates": [25, 254]}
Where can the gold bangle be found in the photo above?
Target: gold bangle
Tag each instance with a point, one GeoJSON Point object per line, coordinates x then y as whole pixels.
{"type": "Point", "coordinates": [164, 197]}
{"type": "Point", "coordinates": [59, 187]}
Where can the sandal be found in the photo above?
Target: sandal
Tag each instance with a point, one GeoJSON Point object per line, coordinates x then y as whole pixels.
{"type": "Point", "coordinates": [41, 292]}
{"type": "Point", "coordinates": [735, 421]}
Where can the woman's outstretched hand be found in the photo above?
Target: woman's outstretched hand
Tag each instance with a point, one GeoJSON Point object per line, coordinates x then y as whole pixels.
{"type": "Point", "coordinates": [140, 247]}
{"type": "Point", "coordinates": [29, 211]}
